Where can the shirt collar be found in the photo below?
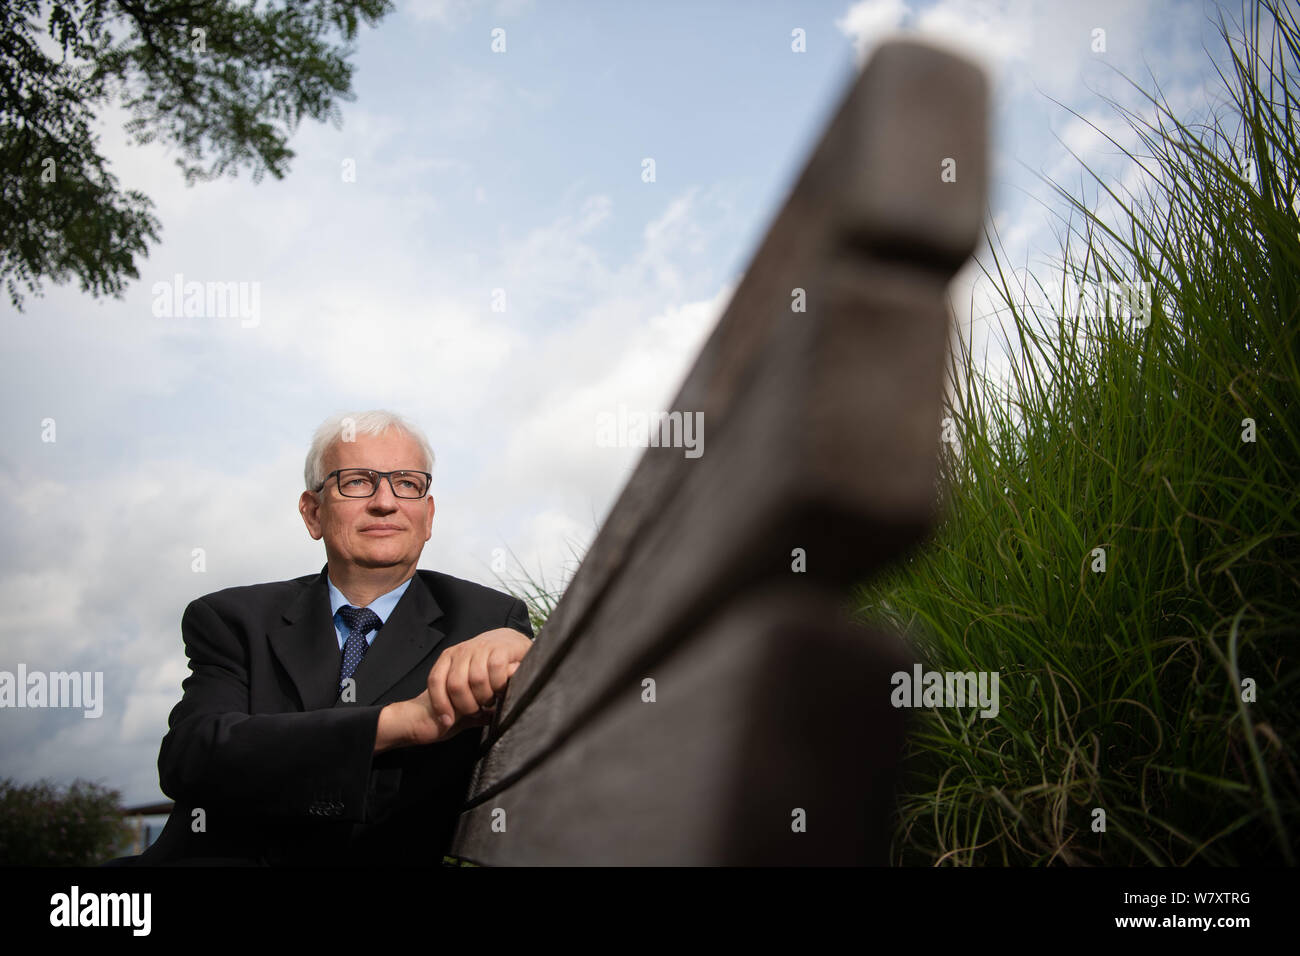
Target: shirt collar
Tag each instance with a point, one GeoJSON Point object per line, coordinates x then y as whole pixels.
{"type": "Point", "coordinates": [382, 605]}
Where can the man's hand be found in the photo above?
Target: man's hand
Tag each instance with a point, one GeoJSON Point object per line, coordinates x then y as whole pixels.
{"type": "Point", "coordinates": [468, 676]}
{"type": "Point", "coordinates": [462, 691]}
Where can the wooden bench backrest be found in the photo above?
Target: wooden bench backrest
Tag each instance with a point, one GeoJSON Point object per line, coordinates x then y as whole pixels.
{"type": "Point", "coordinates": [770, 737]}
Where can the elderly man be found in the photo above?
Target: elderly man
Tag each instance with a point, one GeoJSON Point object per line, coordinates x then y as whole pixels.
{"type": "Point", "coordinates": [321, 722]}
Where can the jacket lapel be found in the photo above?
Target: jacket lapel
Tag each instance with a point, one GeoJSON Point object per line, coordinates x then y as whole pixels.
{"type": "Point", "coordinates": [307, 645]}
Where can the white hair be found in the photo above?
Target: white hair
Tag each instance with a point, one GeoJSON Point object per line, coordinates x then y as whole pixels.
{"type": "Point", "coordinates": [374, 422]}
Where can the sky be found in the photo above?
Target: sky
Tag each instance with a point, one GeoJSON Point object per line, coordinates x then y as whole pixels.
{"type": "Point", "coordinates": [481, 178]}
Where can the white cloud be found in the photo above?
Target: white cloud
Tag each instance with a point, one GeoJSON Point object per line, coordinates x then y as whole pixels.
{"type": "Point", "coordinates": [993, 33]}
{"type": "Point", "coordinates": [867, 21]}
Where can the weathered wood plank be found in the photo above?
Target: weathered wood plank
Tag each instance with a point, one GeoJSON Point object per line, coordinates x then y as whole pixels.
{"type": "Point", "coordinates": [753, 699]}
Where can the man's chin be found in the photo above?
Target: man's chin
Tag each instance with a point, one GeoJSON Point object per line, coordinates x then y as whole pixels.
{"type": "Point", "coordinates": [380, 559]}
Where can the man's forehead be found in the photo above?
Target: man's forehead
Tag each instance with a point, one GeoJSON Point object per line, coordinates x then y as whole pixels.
{"type": "Point", "coordinates": [367, 450]}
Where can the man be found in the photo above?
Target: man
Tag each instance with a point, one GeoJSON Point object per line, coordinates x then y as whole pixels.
{"type": "Point", "coordinates": [322, 720]}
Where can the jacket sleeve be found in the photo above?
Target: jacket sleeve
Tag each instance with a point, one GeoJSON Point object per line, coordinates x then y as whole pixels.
{"type": "Point", "coordinates": [518, 619]}
{"type": "Point", "coordinates": [313, 765]}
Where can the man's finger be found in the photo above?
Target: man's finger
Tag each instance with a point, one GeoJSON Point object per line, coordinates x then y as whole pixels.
{"type": "Point", "coordinates": [498, 670]}
{"type": "Point", "coordinates": [480, 683]}
{"type": "Point", "coordinates": [437, 683]}
{"type": "Point", "coordinates": [458, 689]}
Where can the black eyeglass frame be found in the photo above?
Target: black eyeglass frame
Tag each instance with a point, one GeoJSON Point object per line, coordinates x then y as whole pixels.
{"type": "Point", "coordinates": [338, 482]}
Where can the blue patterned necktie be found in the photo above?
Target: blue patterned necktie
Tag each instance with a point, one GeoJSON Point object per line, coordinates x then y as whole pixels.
{"type": "Point", "coordinates": [360, 621]}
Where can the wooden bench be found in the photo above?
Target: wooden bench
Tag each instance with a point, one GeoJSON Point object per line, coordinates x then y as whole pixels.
{"type": "Point", "coordinates": [701, 694]}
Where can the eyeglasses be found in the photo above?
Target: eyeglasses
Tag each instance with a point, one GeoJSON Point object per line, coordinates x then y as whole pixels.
{"type": "Point", "coordinates": [363, 482]}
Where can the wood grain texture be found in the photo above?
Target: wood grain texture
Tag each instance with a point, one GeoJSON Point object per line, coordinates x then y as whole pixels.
{"type": "Point", "coordinates": [750, 726]}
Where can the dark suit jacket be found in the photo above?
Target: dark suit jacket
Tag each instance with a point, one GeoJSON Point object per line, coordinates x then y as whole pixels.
{"type": "Point", "coordinates": [284, 771]}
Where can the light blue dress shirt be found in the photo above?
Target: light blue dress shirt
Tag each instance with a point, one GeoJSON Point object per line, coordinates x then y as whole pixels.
{"type": "Point", "coordinates": [382, 606]}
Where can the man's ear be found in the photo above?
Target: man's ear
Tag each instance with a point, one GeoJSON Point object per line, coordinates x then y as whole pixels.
{"type": "Point", "coordinates": [309, 508]}
{"type": "Point", "coordinates": [428, 524]}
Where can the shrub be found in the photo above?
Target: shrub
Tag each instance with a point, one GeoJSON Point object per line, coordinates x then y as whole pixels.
{"type": "Point", "coordinates": [40, 825]}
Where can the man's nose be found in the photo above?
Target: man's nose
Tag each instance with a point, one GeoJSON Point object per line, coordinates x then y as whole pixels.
{"type": "Point", "coordinates": [383, 499]}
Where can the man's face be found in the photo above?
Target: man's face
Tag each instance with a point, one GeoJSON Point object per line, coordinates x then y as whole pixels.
{"type": "Point", "coordinates": [376, 532]}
